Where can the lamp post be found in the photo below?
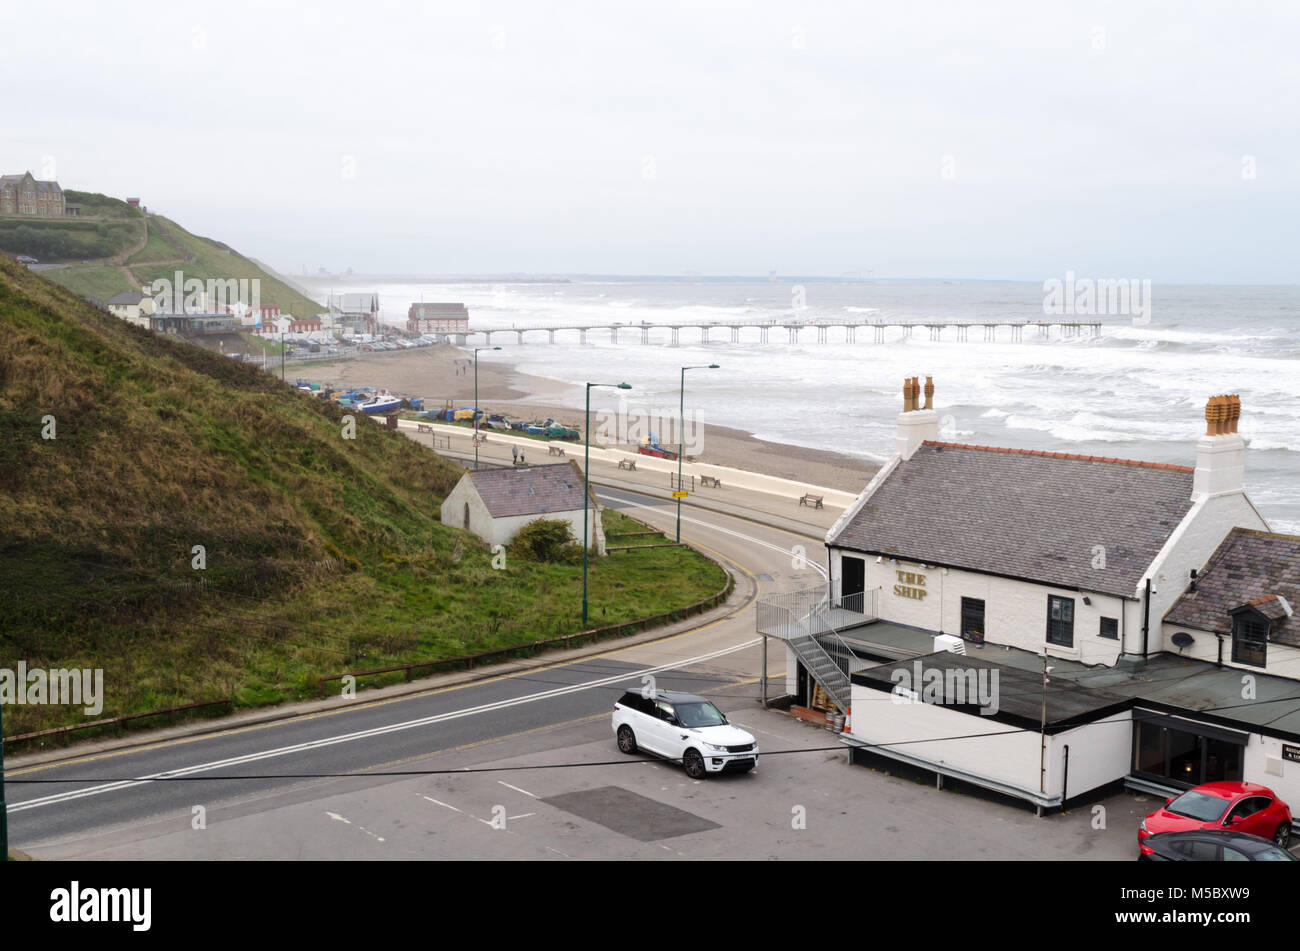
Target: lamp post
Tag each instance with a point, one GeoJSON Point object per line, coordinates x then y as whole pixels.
{"type": "Point", "coordinates": [476, 352]}
{"type": "Point", "coordinates": [586, 488]}
{"type": "Point", "coordinates": [681, 436]}
{"type": "Point", "coordinates": [4, 815]}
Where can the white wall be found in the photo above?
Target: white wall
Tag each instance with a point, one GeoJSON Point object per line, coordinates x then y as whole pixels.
{"type": "Point", "coordinates": [1283, 661]}
{"type": "Point", "coordinates": [1099, 751]}
{"type": "Point", "coordinates": [1015, 612]}
{"type": "Point", "coordinates": [1011, 756]}
{"type": "Point", "coordinates": [502, 531]}
{"type": "Point", "coordinates": [1190, 546]}
{"type": "Point", "coordinates": [1263, 764]}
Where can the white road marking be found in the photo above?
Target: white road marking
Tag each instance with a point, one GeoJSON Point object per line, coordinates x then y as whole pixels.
{"type": "Point", "coordinates": [523, 816]}
{"type": "Point", "coordinates": [338, 818]}
{"type": "Point", "coordinates": [443, 804]}
{"type": "Point", "coordinates": [516, 788]}
{"type": "Point", "coordinates": [373, 732]}
{"type": "Point", "coordinates": [725, 531]}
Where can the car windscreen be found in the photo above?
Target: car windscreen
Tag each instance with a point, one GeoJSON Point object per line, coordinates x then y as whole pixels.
{"type": "Point", "coordinates": [699, 715]}
{"type": "Point", "coordinates": [1198, 806]}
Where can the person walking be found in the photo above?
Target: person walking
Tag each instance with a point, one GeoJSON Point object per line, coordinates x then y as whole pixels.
{"type": "Point", "coordinates": [514, 454]}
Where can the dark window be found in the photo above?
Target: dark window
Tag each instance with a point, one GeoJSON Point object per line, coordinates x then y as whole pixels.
{"type": "Point", "coordinates": [1109, 628]}
{"type": "Point", "coordinates": [972, 619]}
{"type": "Point", "coordinates": [1249, 639]}
{"type": "Point", "coordinates": [1060, 621]}
{"type": "Point", "coordinates": [635, 701]}
{"type": "Point", "coordinates": [1232, 855]}
{"type": "Point", "coordinates": [1186, 757]}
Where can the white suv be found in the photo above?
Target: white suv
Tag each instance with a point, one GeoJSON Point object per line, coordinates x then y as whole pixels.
{"type": "Point", "coordinates": [685, 728]}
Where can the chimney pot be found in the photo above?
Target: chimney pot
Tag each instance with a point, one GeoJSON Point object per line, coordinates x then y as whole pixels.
{"type": "Point", "coordinates": [929, 392]}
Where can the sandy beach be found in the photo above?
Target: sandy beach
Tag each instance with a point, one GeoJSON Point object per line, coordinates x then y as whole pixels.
{"type": "Point", "coordinates": [446, 373]}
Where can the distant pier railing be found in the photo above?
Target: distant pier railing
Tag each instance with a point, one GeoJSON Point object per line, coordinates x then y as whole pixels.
{"type": "Point", "coordinates": [831, 330]}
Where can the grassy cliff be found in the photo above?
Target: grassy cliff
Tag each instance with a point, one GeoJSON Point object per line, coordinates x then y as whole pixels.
{"type": "Point", "coordinates": [121, 451]}
{"type": "Point", "coordinates": [114, 247]}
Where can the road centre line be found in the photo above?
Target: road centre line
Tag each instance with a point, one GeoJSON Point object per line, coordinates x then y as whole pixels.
{"type": "Point", "coordinates": [72, 795]}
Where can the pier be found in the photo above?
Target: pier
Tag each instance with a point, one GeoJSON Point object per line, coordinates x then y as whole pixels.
{"type": "Point", "coordinates": [796, 331]}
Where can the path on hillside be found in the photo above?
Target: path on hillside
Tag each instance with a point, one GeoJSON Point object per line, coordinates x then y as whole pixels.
{"type": "Point", "coordinates": [188, 257]}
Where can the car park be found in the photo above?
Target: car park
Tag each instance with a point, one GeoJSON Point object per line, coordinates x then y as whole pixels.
{"type": "Point", "coordinates": [684, 728]}
{"type": "Point", "coordinates": [1236, 806]}
{"type": "Point", "coordinates": [1212, 845]}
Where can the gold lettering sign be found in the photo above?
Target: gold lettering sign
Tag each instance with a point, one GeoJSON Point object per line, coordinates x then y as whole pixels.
{"type": "Point", "coordinates": [910, 585]}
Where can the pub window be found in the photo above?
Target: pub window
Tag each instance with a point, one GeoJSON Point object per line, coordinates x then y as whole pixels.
{"type": "Point", "coordinates": [1249, 639]}
{"type": "Point", "coordinates": [972, 619]}
{"type": "Point", "coordinates": [1060, 621]}
{"type": "Point", "coordinates": [1109, 628]}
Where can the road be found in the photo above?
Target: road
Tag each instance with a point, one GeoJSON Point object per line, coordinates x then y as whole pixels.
{"type": "Point", "coordinates": [524, 766]}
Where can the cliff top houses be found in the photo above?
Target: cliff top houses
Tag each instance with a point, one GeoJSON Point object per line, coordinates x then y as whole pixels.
{"type": "Point", "coordinates": [26, 196]}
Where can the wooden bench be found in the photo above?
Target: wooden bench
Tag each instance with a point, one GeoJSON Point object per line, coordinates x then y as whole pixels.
{"type": "Point", "coordinates": [555, 450]}
{"type": "Point", "coordinates": [629, 464]}
{"type": "Point", "coordinates": [814, 500]}
{"type": "Point", "coordinates": [423, 428]}
{"type": "Point", "coordinates": [711, 482]}
{"type": "Point", "coordinates": [479, 439]}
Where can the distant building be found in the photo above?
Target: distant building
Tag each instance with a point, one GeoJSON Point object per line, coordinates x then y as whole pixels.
{"type": "Point", "coordinates": [358, 313]}
{"type": "Point", "coordinates": [133, 307]}
{"type": "Point", "coordinates": [24, 195]}
{"type": "Point", "coordinates": [437, 318]}
{"type": "Point", "coordinates": [495, 504]}
{"type": "Point", "coordinates": [194, 324]}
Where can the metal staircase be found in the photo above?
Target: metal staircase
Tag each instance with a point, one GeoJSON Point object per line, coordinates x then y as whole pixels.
{"type": "Point", "coordinates": [809, 621]}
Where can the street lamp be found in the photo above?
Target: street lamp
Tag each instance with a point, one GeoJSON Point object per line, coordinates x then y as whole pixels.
{"type": "Point", "coordinates": [586, 488]}
{"type": "Point", "coordinates": [476, 352]}
{"type": "Point", "coordinates": [681, 436]}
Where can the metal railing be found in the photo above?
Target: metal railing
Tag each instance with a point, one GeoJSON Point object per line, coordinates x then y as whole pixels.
{"type": "Point", "coordinates": [809, 621]}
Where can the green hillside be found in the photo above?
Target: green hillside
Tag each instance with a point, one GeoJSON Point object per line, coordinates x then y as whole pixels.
{"type": "Point", "coordinates": [114, 247]}
{"type": "Point", "coordinates": [323, 554]}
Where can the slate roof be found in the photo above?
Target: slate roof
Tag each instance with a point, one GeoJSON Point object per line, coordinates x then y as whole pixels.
{"type": "Point", "coordinates": [534, 491]}
{"type": "Point", "coordinates": [1249, 567]}
{"type": "Point", "coordinates": [1024, 514]}
{"type": "Point", "coordinates": [126, 297]}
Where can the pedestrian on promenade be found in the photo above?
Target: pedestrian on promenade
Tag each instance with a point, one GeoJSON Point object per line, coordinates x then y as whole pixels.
{"type": "Point", "coordinates": [514, 454]}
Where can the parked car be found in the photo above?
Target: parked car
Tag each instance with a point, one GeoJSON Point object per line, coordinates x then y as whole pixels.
{"type": "Point", "coordinates": [684, 728]}
{"type": "Point", "coordinates": [1212, 845]}
{"type": "Point", "coordinates": [1236, 806]}
{"type": "Point", "coordinates": [26, 259]}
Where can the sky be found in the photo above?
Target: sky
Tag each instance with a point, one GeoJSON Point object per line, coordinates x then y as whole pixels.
{"type": "Point", "coordinates": [998, 140]}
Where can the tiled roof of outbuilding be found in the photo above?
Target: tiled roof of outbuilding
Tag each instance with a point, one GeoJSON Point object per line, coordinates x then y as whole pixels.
{"type": "Point", "coordinates": [538, 490]}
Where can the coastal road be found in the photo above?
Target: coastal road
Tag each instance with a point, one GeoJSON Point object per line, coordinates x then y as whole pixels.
{"type": "Point", "coordinates": [56, 806]}
{"type": "Point", "coordinates": [524, 766]}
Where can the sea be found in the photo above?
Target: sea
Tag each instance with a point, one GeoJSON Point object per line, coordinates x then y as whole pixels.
{"type": "Point", "coordinates": [1135, 390]}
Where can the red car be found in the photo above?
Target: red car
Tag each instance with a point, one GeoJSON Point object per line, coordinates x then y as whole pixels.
{"type": "Point", "coordinates": [1241, 807]}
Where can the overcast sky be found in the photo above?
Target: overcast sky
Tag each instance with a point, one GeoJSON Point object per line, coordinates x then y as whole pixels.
{"type": "Point", "coordinates": [977, 140]}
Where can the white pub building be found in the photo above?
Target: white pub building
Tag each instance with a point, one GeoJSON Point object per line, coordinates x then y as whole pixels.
{"type": "Point", "coordinates": [1155, 594]}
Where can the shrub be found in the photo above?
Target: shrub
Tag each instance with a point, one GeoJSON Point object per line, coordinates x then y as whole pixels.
{"type": "Point", "coordinates": [546, 540]}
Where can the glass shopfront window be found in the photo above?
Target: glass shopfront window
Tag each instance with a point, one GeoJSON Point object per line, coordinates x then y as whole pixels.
{"type": "Point", "coordinates": [1184, 756]}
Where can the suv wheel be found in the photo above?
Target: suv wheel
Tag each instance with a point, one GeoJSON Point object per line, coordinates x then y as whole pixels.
{"type": "Point", "coordinates": [693, 762]}
{"type": "Point", "coordinates": [626, 740]}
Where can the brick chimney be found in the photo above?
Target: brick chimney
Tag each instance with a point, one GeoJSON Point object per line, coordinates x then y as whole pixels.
{"type": "Point", "coordinates": [1220, 453]}
{"type": "Point", "coordinates": [916, 424]}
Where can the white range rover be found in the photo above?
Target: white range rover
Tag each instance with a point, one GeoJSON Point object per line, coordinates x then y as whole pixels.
{"type": "Point", "coordinates": [685, 728]}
